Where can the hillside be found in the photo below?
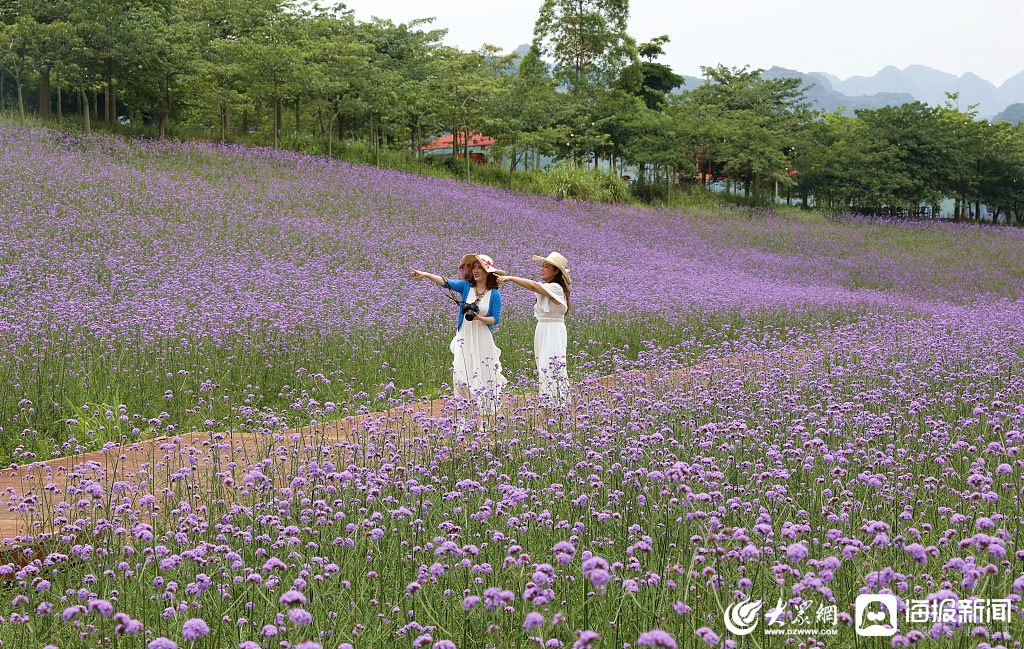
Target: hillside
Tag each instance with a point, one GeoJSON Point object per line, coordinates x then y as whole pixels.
{"type": "Point", "coordinates": [277, 458]}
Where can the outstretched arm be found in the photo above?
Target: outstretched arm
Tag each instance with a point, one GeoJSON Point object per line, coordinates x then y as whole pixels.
{"type": "Point", "coordinates": [437, 279]}
{"type": "Point", "coordinates": [522, 281]}
{"type": "Point", "coordinates": [536, 287]}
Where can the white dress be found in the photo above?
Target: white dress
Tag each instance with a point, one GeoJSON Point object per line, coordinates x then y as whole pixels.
{"type": "Point", "coordinates": [549, 345]}
{"type": "Point", "coordinates": [476, 368]}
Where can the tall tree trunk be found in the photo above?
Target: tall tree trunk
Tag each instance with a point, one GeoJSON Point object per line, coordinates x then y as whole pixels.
{"type": "Point", "coordinates": [277, 119]}
{"type": "Point", "coordinates": [341, 128]}
{"type": "Point", "coordinates": [21, 102]}
{"type": "Point", "coordinates": [96, 104]}
{"type": "Point", "coordinates": [1, 89]}
{"type": "Point", "coordinates": [223, 123]}
{"type": "Point", "coordinates": [245, 121]}
{"type": "Point", "coordinates": [511, 166]}
{"type": "Point", "coordinates": [111, 97]}
{"type": "Point", "coordinates": [298, 115]}
{"type": "Point", "coordinates": [417, 140]}
{"type": "Point", "coordinates": [330, 137]}
{"type": "Point", "coordinates": [369, 132]}
{"type": "Point", "coordinates": [45, 101]}
{"type": "Point", "coordinates": [167, 111]}
{"type": "Point", "coordinates": [85, 109]}
{"type": "Point", "coordinates": [60, 100]}
{"type": "Point", "coordinates": [465, 152]}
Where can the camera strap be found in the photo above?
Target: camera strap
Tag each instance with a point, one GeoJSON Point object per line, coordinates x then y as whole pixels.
{"type": "Point", "coordinates": [450, 293]}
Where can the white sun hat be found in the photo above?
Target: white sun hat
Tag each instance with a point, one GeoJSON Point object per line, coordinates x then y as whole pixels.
{"type": "Point", "coordinates": [559, 262]}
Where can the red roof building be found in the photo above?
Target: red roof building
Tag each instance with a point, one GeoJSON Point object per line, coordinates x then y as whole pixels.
{"type": "Point", "coordinates": [443, 144]}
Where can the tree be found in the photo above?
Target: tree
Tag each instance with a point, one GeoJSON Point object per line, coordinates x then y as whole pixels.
{"type": "Point", "coordinates": [17, 50]}
{"type": "Point", "coordinates": [649, 80]}
{"type": "Point", "coordinates": [340, 61]}
{"type": "Point", "coordinates": [959, 135]}
{"type": "Point", "coordinates": [587, 40]}
{"type": "Point", "coordinates": [104, 29]}
{"type": "Point", "coordinates": [527, 114]}
{"type": "Point", "coordinates": [747, 126]}
{"type": "Point", "coordinates": [918, 153]}
{"type": "Point", "coordinates": [273, 60]}
{"type": "Point", "coordinates": [161, 50]}
{"type": "Point", "coordinates": [1001, 164]}
{"type": "Point", "coordinates": [844, 165]}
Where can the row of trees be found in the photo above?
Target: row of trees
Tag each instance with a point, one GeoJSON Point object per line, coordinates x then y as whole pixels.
{"type": "Point", "coordinates": [585, 91]}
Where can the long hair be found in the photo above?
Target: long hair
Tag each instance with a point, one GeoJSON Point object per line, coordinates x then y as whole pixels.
{"type": "Point", "coordinates": [559, 279]}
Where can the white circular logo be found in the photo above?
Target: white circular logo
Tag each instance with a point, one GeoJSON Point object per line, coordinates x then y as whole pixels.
{"type": "Point", "coordinates": [741, 617]}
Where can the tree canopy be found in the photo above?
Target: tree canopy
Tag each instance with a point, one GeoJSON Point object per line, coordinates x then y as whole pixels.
{"type": "Point", "coordinates": [309, 76]}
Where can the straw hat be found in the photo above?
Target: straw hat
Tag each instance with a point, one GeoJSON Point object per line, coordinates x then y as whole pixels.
{"type": "Point", "coordinates": [485, 262]}
{"type": "Point", "coordinates": [559, 262]}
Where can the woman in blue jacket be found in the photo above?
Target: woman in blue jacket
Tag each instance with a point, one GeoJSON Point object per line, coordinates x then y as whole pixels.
{"type": "Point", "coordinates": [476, 367]}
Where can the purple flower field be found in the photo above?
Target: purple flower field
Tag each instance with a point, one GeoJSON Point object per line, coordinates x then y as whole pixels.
{"type": "Point", "coordinates": [870, 443]}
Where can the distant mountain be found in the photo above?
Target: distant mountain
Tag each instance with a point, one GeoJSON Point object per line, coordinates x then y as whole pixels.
{"type": "Point", "coordinates": [822, 95]}
{"type": "Point", "coordinates": [930, 86]}
{"type": "Point", "coordinates": [689, 83]}
{"type": "Point", "coordinates": [518, 55]}
{"type": "Point", "coordinates": [891, 86]}
{"type": "Point", "coordinates": [1013, 87]}
{"type": "Point", "coordinates": [1014, 114]}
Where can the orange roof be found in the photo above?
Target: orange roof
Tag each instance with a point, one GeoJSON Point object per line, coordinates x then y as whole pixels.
{"type": "Point", "coordinates": [445, 141]}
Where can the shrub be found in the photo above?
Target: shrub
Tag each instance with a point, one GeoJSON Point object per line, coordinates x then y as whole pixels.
{"type": "Point", "coordinates": [571, 181]}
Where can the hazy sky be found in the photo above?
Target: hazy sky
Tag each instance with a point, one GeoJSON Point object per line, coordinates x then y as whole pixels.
{"type": "Point", "coordinates": [855, 37]}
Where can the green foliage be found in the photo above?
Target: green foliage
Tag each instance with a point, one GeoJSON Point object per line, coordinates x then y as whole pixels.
{"type": "Point", "coordinates": [315, 79]}
{"type": "Point", "coordinates": [649, 80]}
{"type": "Point", "coordinates": [747, 126]}
{"type": "Point", "coordinates": [587, 40]}
{"type": "Point", "coordinates": [570, 181]}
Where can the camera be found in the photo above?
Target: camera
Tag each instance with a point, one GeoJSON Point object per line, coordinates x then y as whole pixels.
{"type": "Point", "coordinates": [470, 311]}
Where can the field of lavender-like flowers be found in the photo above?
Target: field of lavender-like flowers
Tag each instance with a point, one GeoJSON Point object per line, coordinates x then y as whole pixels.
{"type": "Point", "coordinates": [795, 410]}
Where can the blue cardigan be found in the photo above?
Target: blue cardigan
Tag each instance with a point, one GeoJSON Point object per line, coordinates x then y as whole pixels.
{"type": "Point", "coordinates": [493, 309]}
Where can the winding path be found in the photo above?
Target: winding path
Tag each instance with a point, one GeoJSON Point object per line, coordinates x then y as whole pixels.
{"type": "Point", "coordinates": [42, 497]}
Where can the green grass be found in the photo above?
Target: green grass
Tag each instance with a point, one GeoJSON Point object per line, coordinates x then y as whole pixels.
{"type": "Point", "coordinates": [350, 370]}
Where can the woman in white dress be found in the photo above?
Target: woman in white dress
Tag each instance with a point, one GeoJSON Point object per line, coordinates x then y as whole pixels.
{"type": "Point", "coordinates": [476, 367]}
{"type": "Point", "coordinates": [550, 338]}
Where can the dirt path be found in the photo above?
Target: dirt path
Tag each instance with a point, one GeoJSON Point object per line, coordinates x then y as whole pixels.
{"type": "Point", "coordinates": [43, 497]}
